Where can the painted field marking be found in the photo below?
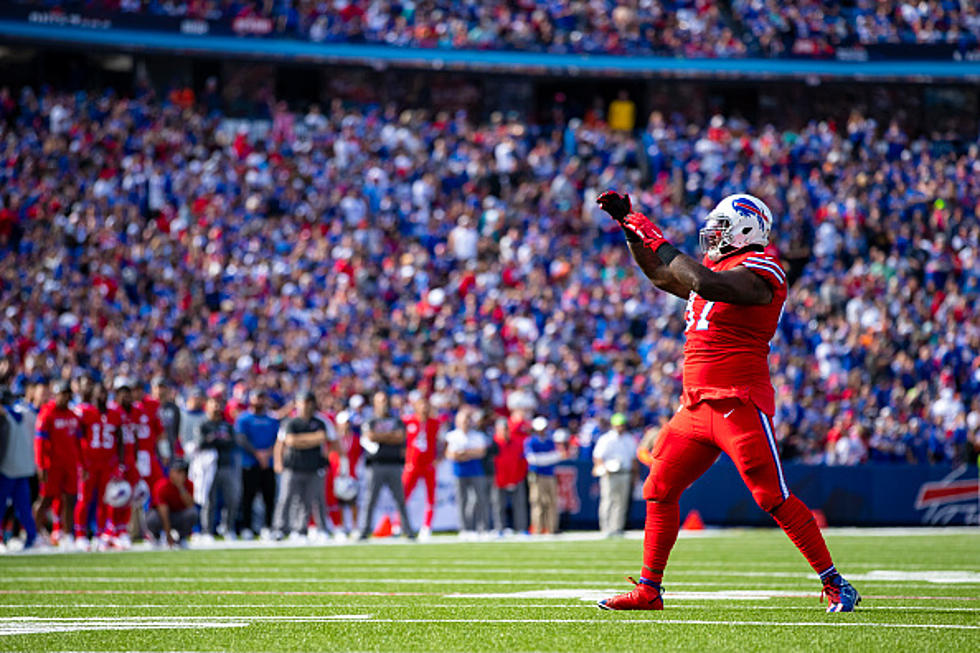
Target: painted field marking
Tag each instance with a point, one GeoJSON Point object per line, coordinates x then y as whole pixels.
{"type": "Point", "coordinates": [654, 621]}
{"type": "Point", "coordinates": [547, 594]}
{"type": "Point", "coordinates": [321, 606]}
{"type": "Point", "coordinates": [938, 577]}
{"type": "Point", "coordinates": [31, 625]}
{"type": "Point", "coordinates": [90, 624]}
{"type": "Point", "coordinates": [231, 580]}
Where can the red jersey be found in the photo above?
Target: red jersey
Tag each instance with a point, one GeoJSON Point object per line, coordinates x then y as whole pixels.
{"type": "Point", "coordinates": [420, 444]}
{"type": "Point", "coordinates": [726, 353]}
{"type": "Point", "coordinates": [165, 492]}
{"type": "Point", "coordinates": [58, 430]}
{"type": "Point", "coordinates": [510, 465]}
{"type": "Point", "coordinates": [151, 407]}
{"type": "Point", "coordinates": [129, 423]}
{"type": "Point", "coordinates": [100, 433]}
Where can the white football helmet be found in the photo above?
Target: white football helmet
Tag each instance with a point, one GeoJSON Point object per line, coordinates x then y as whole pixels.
{"type": "Point", "coordinates": [738, 221]}
{"type": "Point", "coordinates": [118, 493]}
{"type": "Point", "coordinates": [141, 492]}
{"type": "Point", "coordinates": [345, 487]}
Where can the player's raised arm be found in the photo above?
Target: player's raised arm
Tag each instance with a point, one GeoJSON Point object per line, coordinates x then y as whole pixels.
{"type": "Point", "coordinates": [675, 272]}
{"type": "Point", "coordinates": [619, 207]}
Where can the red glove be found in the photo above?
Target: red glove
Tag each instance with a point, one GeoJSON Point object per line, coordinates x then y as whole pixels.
{"type": "Point", "coordinates": [642, 228]}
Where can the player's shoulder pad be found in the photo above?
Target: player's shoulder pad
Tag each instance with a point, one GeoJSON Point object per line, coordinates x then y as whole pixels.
{"type": "Point", "coordinates": [767, 267]}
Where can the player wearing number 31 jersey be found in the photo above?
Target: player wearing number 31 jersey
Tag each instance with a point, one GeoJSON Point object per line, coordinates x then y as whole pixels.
{"type": "Point", "coordinates": [734, 299]}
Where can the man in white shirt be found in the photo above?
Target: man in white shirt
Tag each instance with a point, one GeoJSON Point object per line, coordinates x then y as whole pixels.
{"type": "Point", "coordinates": [613, 462]}
{"type": "Point", "coordinates": [466, 447]}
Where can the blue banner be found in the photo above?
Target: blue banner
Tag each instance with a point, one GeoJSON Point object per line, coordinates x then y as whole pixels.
{"type": "Point", "coordinates": [867, 495]}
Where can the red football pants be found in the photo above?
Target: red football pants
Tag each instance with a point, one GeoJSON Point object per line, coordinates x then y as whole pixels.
{"type": "Point", "coordinates": [689, 444]}
{"type": "Point", "coordinates": [91, 485]}
{"type": "Point", "coordinates": [410, 478]}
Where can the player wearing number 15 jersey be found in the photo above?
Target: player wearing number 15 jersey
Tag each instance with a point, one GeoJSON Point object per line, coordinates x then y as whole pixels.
{"type": "Point", "coordinates": [734, 299]}
{"type": "Point", "coordinates": [100, 459]}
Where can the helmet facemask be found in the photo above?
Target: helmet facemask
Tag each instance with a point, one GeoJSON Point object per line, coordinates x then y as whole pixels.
{"type": "Point", "coordinates": [715, 236]}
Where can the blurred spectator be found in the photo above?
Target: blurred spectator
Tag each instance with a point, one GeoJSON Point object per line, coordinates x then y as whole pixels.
{"type": "Point", "coordinates": [510, 477]}
{"type": "Point", "coordinates": [542, 456]}
{"type": "Point", "coordinates": [260, 429]}
{"type": "Point", "coordinates": [466, 447]}
{"type": "Point", "coordinates": [17, 466]}
{"type": "Point", "coordinates": [161, 401]}
{"type": "Point", "coordinates": [383, 440]}
{"type": "Point", "coordinates": [622, 113]}
{"type": "Point", "coordinates": [172, 506]}
{"type": "Point", "coordinates": [300, 461]}
{"type": "Point", "coordinates": [613, 462]}
{"type": "Point", "coordinates": [215, 435]}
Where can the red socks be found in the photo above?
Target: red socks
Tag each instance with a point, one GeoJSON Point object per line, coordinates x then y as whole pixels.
{"type": "Point", "coordinates": [796, 519]}
{"type": "Point", "coordinates": [659, 534]}
{"type": "Point", "coordinates": [663, 522]}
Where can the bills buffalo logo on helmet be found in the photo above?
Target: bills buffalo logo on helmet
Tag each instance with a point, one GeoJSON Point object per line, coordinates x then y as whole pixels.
{"type": "Point", "coordinates": [748, 209]}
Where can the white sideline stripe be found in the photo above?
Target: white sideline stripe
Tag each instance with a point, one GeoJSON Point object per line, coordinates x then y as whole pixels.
{"type": "Point", "coordinates": [44, 629]}
{"type": "Point", "coordinates": [109, 620]}
{"type": "Point", "coordinates": [935, 576]}
{"type": "Point", "coordinates": [20, 580]}
{"type": "Point", "coordinates": [41, 625]}
{"type": "Point", "coordinates": [321, 606]}
{"type": "Point", "coordinates": [399, 545]}
{"type": "Point", "coordinates": [653, 621]}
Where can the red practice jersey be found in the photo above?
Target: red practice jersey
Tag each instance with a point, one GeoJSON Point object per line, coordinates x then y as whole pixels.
{"type": "Point", "coordinates": [420, 444]}
{"type": "Point", "coordinates": [100, 433]}
{"type": "Point", "coordinates": [58, 430]}
{"type": "Point", "coordinates": [726, 353]}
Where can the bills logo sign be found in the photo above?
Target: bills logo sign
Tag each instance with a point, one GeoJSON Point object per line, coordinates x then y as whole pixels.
{"type": "Point", "coordinates": [748, 209]}
{"type": "Point", "coordinates": [950, 500]}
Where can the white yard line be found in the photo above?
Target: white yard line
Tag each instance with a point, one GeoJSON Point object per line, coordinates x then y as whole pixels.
{"type": "Point", "coordinates": [322, 606]}
{"type": "Point", "coordinates": [654, 620]}
{"type": "Point", "coordinates": [577, 536]}
{"type": "Point", "coordinates": [33, 625]}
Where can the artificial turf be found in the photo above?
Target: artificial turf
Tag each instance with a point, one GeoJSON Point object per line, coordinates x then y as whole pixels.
{"type": "Point", "coordinates": [745, 590]}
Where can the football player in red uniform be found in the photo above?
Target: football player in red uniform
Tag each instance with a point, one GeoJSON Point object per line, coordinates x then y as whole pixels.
{"type": "Point", "coordinates": [131, 418]}
{"type": "Point", "coordinates": [100, 458]}
{"type": "Point", "coordinates": [57, 456]}
{"type": "Point", "coordinates": [421, 436]}
{"type": "Point", "coordinates": [734, 300]}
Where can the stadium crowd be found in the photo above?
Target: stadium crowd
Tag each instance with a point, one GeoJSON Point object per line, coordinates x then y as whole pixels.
{"type": "Point", "coordinates": [359, 250]}
{"type": "Point", "coordinates": [691, 28]}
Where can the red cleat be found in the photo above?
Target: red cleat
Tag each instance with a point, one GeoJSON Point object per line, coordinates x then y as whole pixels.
{"type": "Point", "coordinates": [641, 597]}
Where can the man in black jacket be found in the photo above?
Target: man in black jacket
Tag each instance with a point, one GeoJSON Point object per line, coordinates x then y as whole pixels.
{"type": "Point", "coordinates": [383, 441]}
{"type": "Point", "coordinates": [298, 458]}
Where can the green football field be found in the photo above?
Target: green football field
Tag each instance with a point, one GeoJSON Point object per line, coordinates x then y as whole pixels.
{"type": "Point", "coordinates": [725, 590]}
